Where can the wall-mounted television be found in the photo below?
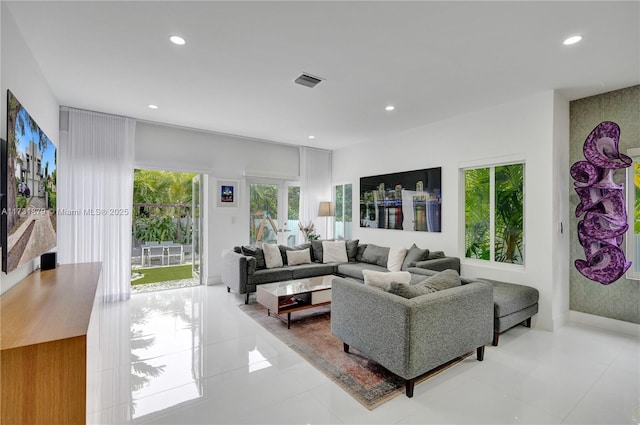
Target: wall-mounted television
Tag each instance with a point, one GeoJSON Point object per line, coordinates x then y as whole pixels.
{"type": "Point", "coordinates": [29, 185]}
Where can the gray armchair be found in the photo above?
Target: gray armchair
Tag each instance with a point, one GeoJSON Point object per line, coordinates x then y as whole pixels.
{"type": "Point", "coordinates": [409, 337]}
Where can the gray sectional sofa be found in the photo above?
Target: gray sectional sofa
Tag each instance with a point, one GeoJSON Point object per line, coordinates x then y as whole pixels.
{"type": "Point", "coordinates": [243, 268]}
{"type": "Point", "coordinates": [410, 337]}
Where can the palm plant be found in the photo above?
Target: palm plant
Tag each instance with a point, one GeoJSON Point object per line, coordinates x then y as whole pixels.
{"type": "Point", "coordinates": [509, 206]}
{"type": "Point", "coordinates": [477, 195]}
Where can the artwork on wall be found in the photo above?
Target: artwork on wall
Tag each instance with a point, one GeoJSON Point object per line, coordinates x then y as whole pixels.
{"type": "Point", "coordinates": [227, 193]}
{"type": "Point", "coordinates": [408, 200]}
{"type": "Point", "coordinates": [602, 229]}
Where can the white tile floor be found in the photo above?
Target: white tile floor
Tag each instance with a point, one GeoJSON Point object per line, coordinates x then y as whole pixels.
{"type": "Point", "coordinates": [191, 356]}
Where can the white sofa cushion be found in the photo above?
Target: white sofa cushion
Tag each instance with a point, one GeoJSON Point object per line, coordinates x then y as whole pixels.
{"type": "Point", "coordinates": [383, 280]}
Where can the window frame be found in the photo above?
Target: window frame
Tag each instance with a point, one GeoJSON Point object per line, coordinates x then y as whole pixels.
{"type": "Point", "coordinates": [630, 238]}
{"type": "Point", "coordinates": [491, 165]}
{"type": "Point", "coordinates": [335, 221]}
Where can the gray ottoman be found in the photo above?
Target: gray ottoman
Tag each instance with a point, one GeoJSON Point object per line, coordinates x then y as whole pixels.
{"type": "Point", "coordinates": [512, 304]}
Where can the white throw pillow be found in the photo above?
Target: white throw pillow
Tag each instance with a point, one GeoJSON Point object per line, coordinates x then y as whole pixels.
{"type": "Point", "coordinates": [272, 256]}
{"type": "Point", "coordinates": [382, 280]}
{"type": "Point", "coordinates": [396, 258]}
{"type": "Point", "coordinates": [334, 252]}
{"type": "Point", "coordinates": [299, 257]}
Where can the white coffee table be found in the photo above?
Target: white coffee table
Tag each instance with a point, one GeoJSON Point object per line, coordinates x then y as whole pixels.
{"type": "Point", "coordinates": [295, 295]}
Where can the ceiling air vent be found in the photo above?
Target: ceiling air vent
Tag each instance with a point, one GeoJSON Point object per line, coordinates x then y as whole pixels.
{"type": "Point", "coordinates": [308, 80]}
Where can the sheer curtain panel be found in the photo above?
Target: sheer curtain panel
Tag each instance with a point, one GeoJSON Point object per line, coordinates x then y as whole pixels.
{"type": "Point", "coordinates": [315, 185]}
{"type": "Point", "coordinates": [95, 195]}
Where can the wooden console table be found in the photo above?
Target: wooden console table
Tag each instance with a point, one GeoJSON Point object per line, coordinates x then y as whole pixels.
{"type": "Point", "coordinates": [43, 340]}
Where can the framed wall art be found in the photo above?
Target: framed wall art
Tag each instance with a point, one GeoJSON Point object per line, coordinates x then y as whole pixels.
{"type": "Point", "coordinates": [407, 200]}
{"type": "Point", "coordinates": [227, 193]}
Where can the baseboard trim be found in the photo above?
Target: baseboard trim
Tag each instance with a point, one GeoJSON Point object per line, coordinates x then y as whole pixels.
{"type": "Point", "coordinates": [606, 323]}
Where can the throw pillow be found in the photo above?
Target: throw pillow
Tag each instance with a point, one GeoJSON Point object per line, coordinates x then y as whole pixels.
{"type": "Point", "coordinates": [414, 255]}
{"type": "Point", "coordinates": [284, 249]}
{"type": "Point", "coordinates": [360, 252]}
{"type": "Point", "coordinates": [375, 254]}
{"type": "Point", "coordinates": [435, 254]}
{"type": "Point", "coordinates": [352, 249]}
{"type": "Point", "coordinates": [444, 280]}
{"type": "Point", "coordinates": [441, 281]}
{"type": "Point", "coordinates": [407, 290]}
{"type": "Point", "coordinates": [334, 252]}
{"type": "Point", "coordinates": [396, 258]}
{"type": "Point", "coordinates": [299, 257]}
{"type": "Point", "coordinates": [382, 280]}
{"type": "Point", "coordinates": [258, 253]}
{"type": "Point", "coordinates": [316, 250]}
{"type": "Point", "coordinates": [272, 256]}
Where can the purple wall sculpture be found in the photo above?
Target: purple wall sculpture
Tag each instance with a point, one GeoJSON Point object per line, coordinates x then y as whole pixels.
{"type": "Point", "coordinates": [602, 229]}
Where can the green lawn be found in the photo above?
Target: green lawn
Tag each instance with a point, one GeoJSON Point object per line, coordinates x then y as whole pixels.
{"type": "Point", "coordinates": [163, 274]}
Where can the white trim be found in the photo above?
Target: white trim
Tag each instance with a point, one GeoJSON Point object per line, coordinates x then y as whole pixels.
{"type": "Point", "coordinates": [493, 161]}
{"type": "Point", "coordinates": [633, 272]}
{"type": "Point", "coordinates": [605, 323]}
{"type": "Point", "coordinates": [214, 280]}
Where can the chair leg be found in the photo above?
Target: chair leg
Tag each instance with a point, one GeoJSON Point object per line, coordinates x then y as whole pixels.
{"type": "Point", "coordinates": [228, 290]}
{"type": "Point", "coordinates": [527, 322]}
{"type": "Point", "coordinates": [480, 353]}
{"type": "Point", "coordinates": [345, 347]}
{"type": "Point", "coordinates": [495, 338]}
{"type": "Point", "coordinates": [409, 384]}
{"type": "Point", "coordinates": [246, 300]}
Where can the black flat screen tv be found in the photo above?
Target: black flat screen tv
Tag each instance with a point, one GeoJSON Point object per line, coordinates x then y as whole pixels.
{"type": "Point", "coordinates": [29, 185]}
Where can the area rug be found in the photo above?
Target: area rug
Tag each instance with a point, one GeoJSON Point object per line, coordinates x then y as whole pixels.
{"type": "Point", "coordinates": [310, 336]}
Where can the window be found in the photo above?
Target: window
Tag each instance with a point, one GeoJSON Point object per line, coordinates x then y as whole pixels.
{"type": "Point", "coordinates": [344, 215]}
{"type": "Point", "coordinates": [633, 206]}
{"type": "Point", "coordinates": [494, 213]}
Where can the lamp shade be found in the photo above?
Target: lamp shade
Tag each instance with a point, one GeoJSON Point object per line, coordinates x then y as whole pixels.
{"type": "Point", "coordinates": [326, 209]}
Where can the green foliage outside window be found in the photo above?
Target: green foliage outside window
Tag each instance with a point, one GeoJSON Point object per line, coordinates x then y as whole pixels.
{"type": "Point", "coordinates": [509, 213]}
{"type": "Point", "coordinates": [509, 199]}
{"type": "Point", "coordinates": [477, 192]}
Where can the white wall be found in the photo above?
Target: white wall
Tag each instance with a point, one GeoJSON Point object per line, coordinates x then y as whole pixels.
{"type": "Point", "coordinates": [523, 129]}
{"type": "Point", "coordinates": [20, 73]}
{"type": "Point", "coordinates": [223, 157]}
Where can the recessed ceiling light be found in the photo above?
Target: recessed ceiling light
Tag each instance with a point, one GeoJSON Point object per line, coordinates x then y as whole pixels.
{"type": "Point", "coordinates": [176, 39]}
{"type": "Point", "coordinates": [312, 137]}
{"type": "Point", "coordinates": [153, 106]}
{"type": "Point", "coordinates": [572, 40]}
{"type": "Point", "coordinates": [390, 108]}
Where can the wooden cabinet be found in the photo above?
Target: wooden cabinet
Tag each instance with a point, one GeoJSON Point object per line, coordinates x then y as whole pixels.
{"type": "Point", "coordinates": [43, 340]}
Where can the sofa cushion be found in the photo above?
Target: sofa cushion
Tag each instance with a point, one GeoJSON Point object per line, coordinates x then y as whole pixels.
{"type": "Point", "coordinates": [414, 255]}
{"type": "Point", "coordinates": [313, 269]}
{"type": "Point", "coordinates": [272, 256]}
{"type": "Point", "coordinates": [382, 280]}
{"type": "Point", "coordinates": [334, 252]}
{"type": "Point", "coordinates": [511, 297]}
{"type": "Point", "coordinates": [396, 258]}
{"type": "Point", "coordinates": [295, 257]}
{"type": "Point", "coordinates": [352, 249]}
{"type": "Point", "coordinates": [360, 251]}
{"type": "Point", "coordinates": [316, 251]}
{"type": "Point", "coordinates": [375, 254]}
{"type": "Point", "coordinates": [254, 251]}
{"type": "Point", "coordinates": [439, 282]}
{"type": "Point", "coordinates": [354, 270]}
{"type": "Point", "coordinates": [271, 275]}
{"type": "Point", "coordinates": [435, 254]}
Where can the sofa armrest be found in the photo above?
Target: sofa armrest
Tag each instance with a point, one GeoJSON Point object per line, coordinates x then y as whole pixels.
{"type": "Point", "coordinates": [235, 270]}
{"type": "Point", "coordinates": [440, 264]}
{"type": "Point", "coordinates": [412, 336]}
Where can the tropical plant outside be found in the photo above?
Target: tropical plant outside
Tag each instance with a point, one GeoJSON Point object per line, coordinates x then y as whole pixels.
{"type": "Point", "coordinates": [477, 195]}
{"type": "Point", "coordinates": [162, 206]}
{"type": "Point", "coordinates": [509, 213]}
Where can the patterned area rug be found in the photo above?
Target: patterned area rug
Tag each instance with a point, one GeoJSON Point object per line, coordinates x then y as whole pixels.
{"type": "Point", "coordinates": [310, 336]}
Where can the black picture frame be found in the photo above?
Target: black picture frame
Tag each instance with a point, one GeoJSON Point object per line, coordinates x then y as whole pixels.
{"type": "Point", "coordinates": [408, 200]}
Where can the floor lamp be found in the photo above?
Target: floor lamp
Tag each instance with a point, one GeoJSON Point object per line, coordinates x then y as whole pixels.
{"type": "Point", "coordinates": [326, 209]}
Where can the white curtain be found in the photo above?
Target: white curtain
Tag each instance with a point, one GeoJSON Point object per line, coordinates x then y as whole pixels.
{"type": "Point", "coordinates": [315, 186]}
{"type": "Point", "coordinates": [94, 204]}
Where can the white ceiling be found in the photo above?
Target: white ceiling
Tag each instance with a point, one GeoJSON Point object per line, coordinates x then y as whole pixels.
{"type": "Point", "coordinates": [235, 75]}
